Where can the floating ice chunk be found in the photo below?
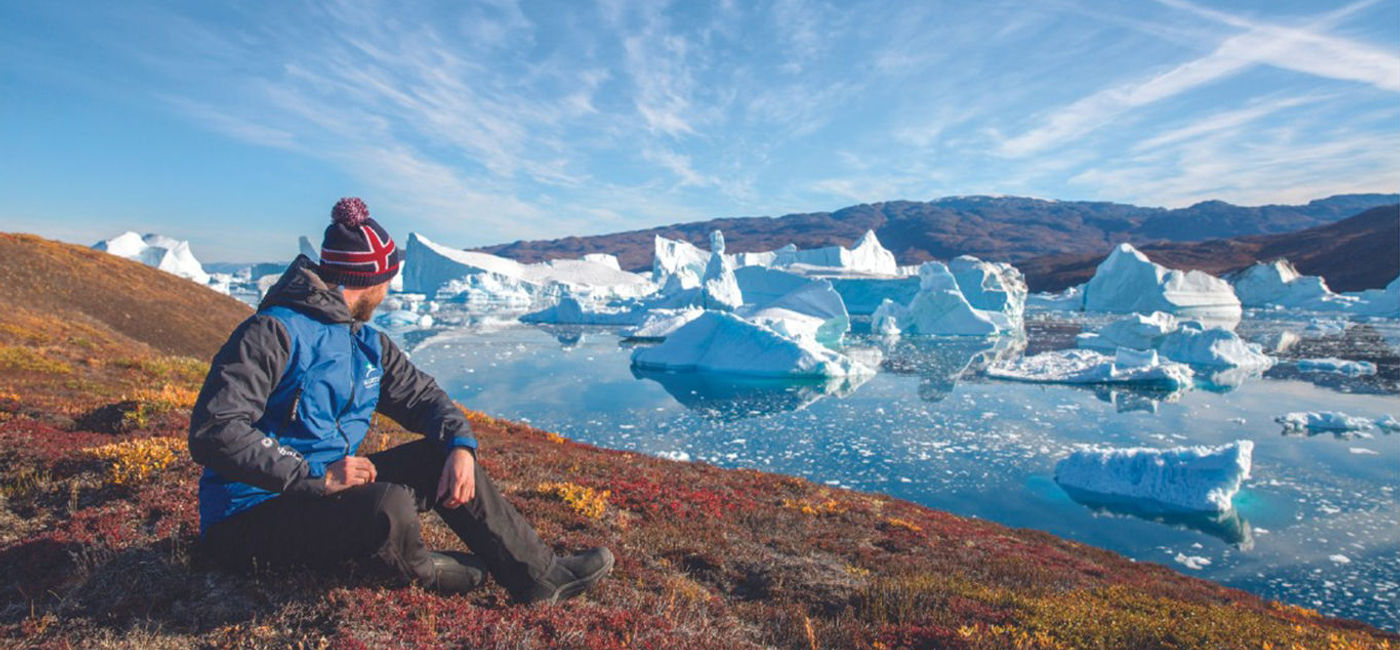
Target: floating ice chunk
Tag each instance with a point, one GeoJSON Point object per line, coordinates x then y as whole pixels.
{"type": "Point", "coordinates": [1322, 421]}
{"type": "Point", "coordinates": [1221, 348]}
{"type": "Point", "coordinates": [1198, 479]}
{"type": "Point", "coordinates": [678, 456]}
{"type": "Point", "coordinates": [1194, 562]}
{"type": "Point", "coordinates": [1141, 367]}
{"type": "Point", "coordinates": [1337, 366]}
{"type": "Point", "coordinates": [404, 318]}
{"type": "Point", "coordinates": [1387, 423]}
{"type": "Point", "coordinates": [1277, 283]}
{"type": "Point", "coordinates": [657, 324]}
{"type": "Point", "coordinates": [1135, 331]}
{"type": "Point", "coordinates": [722, 342]}
{"type": "Point", "coordinates": [1339, 558]}
{"type": "Point", "coordinates": [1129, 282]}
{"type": "Point", "coordinates": [170, 255]}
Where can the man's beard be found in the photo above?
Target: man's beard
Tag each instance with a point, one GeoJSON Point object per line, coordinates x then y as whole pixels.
{"type": "Point", "coordinates": [363, 309]}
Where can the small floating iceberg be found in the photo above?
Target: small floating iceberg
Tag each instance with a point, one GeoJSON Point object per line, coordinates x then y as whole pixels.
{"type": "Point", "coordinates": [1221, 348]}
{"type": "Point", "coordinates": [1329, 421]}
{"type": "Point", "coordinates": [1139, 367]}
{"type": "Point", "coordinates": [1192, 479]}
{"type": "Point", "coordinates": [1136, 331]}
{"type": "Point", "coordinates": [722, 342]}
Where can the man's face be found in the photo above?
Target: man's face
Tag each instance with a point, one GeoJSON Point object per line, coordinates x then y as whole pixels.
{"type": "Point", "coordinates": [363, 305]}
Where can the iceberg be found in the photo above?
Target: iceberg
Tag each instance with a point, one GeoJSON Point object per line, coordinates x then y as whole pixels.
{"type": "Point", "coordinates": [811, 310]}
{"type": "Point", "coordinates": [867, 256]}
{"type": "Point", "coordinates": [1128, 282]}
{"type": "Point", "coordinates": [170, 255]}
{"type": "Point", "coordinates": [673, 257]}
{"type": "Point", "coordinates": [1139, 367]}
{"type": "Point", "coordinates": [1314, 421]}
{"type": "Point", "coordinates": [1136, 331]}
{"type": "Point", "coordinates": [993, 287]}
{"type": "Point", "coordinates": [1383, 303]}
{"type": "Point", "coordinates": [1192, 479]}
{"type": "Point", "coordinates": [450, 274]}
{"type": "Point", "coordinates": [1277, 283]}
{"type": "Point", "coordinates": [729, 398]}
{"type": "Point", "coordinates": [1337, 366]}
{"type": "Point", "coordinates": [1388, 423]}
{"type": "Point", "coordinates": [863, 294]}
{"type": "Point", "coordinates": [722, 342]}
{"type": "Point", "coordinates": [718, 287]}
{"type": "Point", "coordinates": [606, 259]}
{"type": "Point", "coordinates": [942, 305]}
{"type": "Point", "coordinates": [1196, 344]}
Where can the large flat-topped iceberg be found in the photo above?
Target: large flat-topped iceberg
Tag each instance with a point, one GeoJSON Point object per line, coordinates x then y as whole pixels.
{"type": "Point", "coordinates": [1379, 302]}
{"type": "Point", "coordinates": [867, 256]}
{"type": "Point", "coordinates": [1195, 479]}
{"type": "Point", "coordinates": [1128, 282]}
{"type": "Point", "coordinates": [165, 253]}
{"type": "Point", "coordinates": [943, 307]}
{"type": "Point", "coordinates": [1137, 367]}
{"type": "Point", "coordinates": [722, 342]}
{"type": "Point", "coordinates": [448, 273]}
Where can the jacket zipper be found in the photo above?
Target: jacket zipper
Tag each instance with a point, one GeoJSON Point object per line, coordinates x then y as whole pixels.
{"type": "Point", "coordinates": [350, 404]}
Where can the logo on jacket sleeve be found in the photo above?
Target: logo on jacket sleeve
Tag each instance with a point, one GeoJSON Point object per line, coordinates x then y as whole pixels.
{"type": "Point", "coordinates": [372, 375]}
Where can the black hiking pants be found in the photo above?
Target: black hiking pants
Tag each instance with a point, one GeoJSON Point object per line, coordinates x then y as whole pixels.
{"type": "Point", "coordinates": [379, 521]}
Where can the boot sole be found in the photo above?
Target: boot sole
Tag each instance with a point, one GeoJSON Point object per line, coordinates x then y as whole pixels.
{"type": "Point", "coordinates": [571, 589]}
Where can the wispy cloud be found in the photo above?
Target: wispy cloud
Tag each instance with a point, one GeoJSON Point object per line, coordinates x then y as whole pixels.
{"type": "Point", "coordinates": [1261, 43]}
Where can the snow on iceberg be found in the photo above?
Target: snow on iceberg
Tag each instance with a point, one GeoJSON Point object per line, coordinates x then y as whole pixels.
{"type": "Point", "coordinates": [1337, 366]}
{"type": "Point", "coordinates": [681, 259]}
{"type": "Point", "coordinates": [993, 287]}
{"type": "Point", "coordinates": [1129, 282]}
{"type": "Point", "coordinates": [1136, 331]}
{"type": "Point", "coordinates": [723, 342]}
{"type": "Point", "coordinates": [1195, 479]}
{"type": "Point", "coordinates": [1196, 344]}
{"type": "Point", "coordinates": [167, 254]}
{"type": "Point", "coordinates": [1138, 367]}
{"type": "Point", "coordinates": [447, 273]}
{"type": "Point", "coordinates": [1315, 421]}
{"type": "Point", "coordinates": [867, 256]}
{"type": "Point", "coordinates": [813, 311]}
{"type": "Point", "coordinates": [942, 308]}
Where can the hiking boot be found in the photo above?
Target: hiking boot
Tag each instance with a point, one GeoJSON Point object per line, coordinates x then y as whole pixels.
{"type": "Point", "coordinates": [457, 572]}
{"type": "Point", "coordinates": [570, 576]}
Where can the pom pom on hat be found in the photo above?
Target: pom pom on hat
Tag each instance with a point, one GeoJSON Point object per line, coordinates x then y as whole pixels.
{"type": "Point", "coordinates": [350, 211]}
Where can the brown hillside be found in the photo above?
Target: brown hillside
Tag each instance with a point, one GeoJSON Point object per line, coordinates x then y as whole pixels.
{"type": "Point", "coordinates": [137, 303]}
{"type": "Point", "coordinates": [1360, 252]}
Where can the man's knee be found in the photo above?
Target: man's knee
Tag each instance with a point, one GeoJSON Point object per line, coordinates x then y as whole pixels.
{"type": "Point", "coordinates": [395, 502]}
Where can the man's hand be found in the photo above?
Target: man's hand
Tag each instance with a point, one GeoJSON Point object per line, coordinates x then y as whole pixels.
{"type": "Point", "coordinates": [458, 483]}
{"type": "Point", "coordinates": [349, 472]}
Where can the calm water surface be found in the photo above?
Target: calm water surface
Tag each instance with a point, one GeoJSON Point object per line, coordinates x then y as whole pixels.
{"type": "Point", "coordinates": [1317, 525]}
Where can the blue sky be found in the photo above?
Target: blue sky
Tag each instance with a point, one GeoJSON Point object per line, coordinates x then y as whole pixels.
{"type": "Point", "coordinates": [237, 125]}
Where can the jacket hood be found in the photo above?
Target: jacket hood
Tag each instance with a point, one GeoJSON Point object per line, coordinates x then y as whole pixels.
{"type": "Point", "coordinates": [300, 288]}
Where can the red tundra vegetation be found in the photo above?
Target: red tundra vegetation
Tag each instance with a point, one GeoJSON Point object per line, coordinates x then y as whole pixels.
{"type": "Point", "coordinates": [98, 546]}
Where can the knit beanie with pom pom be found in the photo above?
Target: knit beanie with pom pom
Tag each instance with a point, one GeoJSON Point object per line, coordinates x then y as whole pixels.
{"type": "Point", "coordinates": [356, 251]}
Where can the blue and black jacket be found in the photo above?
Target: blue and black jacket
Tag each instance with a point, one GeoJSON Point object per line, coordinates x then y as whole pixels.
{"type": "Point", "coordinates": [292, 391]}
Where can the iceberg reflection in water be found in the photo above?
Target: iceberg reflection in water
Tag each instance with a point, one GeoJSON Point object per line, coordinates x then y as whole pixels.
{"type": "Point", "coordinates": [727, 398]}
{"type": "Point", "coordinates": [1228, 526]}
{"type": "Point", "coordinates": [940, 362]}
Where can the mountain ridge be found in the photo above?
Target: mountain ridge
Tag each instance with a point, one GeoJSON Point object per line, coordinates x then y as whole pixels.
{"type": "Point", "coordinates": [995, 228]}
